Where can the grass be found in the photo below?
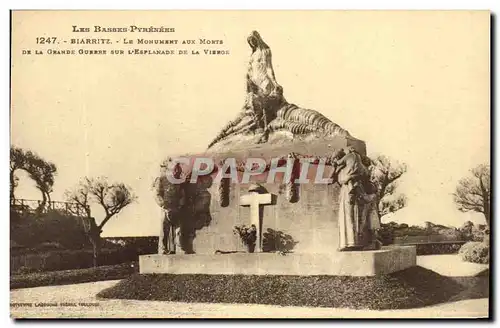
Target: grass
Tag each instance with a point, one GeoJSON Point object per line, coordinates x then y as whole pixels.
{"type": "Point", "coordinates": [411, 288]}
{"type": "Point", "coordinates": [65, 277]}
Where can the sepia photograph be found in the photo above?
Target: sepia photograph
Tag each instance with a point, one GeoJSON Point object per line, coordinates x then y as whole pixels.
{"type": "Point", "coordinates": [250, 164]}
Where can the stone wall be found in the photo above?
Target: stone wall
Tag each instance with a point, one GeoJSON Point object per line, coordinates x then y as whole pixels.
{"type": "Point", "coordinates": [311, 221]}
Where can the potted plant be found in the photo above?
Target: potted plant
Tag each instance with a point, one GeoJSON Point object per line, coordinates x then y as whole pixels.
{"type": "Point", "coordinates": [248, 236]}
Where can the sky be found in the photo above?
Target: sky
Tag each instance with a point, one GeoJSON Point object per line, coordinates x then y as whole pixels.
{"type": "Point", "coordinates": [415, 86]}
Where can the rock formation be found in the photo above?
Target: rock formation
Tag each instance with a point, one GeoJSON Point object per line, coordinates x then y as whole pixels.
{"type": "Point", "coordinates": [266, 110]}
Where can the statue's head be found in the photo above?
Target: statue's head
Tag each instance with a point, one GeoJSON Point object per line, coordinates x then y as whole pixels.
{"type": "Point", "coordinates": [255, 41]}
{"type": "Point", "coordinates": [171, 167]}
{"type": "Point", "coordinates": [350, 149]}
{"type": "Point", "coordinates": [338, 154]}
{"type": "Point", "coordinates": [366, 161]}
{"type": "Point", "coordinates": [177, 170]}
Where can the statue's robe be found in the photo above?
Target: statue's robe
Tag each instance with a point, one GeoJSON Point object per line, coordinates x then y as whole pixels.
{"type": "Point", "coordinates": [356, 209]}
{"type": "Point", "coordinates": [264, 94]}
{"type": "Point", "coordinates": [370, 221]}
{"type": "Point", "coordinates": [170, 197]}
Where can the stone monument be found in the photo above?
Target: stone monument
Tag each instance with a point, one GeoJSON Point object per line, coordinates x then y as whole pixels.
{"type": "Point", "coordinates": [321, 228]}
{"type": "Point", "coordinates": [256, 200]}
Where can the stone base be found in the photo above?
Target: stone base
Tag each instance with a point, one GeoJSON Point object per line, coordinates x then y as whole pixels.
{"type": "Point", "coordinates": [359, 263]}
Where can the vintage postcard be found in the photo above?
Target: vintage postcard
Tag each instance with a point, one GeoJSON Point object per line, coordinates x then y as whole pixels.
{"type": "Point", "coordinates": [250, 164]}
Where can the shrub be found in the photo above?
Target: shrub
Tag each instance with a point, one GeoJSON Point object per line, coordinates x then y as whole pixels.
{"type": "Point", "coordinates": [54, 260]}
{"type": "Point", "coordinates": [31, 230]}
{"type": "Point", "coordinates": [50, 245]}
{"type": "Point", "coordinates": [439, 248]}
{"type": "Point", "coordinates": [26, 270]}
{"type": "Point", "coordinates": [277, 241]}
{"type": "Point", "coordinates": [141, 245]}
{"type": "Point", "coordinates": [475, 252]}
{"type": "Point", "coordinates": [248, 235]}
{"type": "Point", "coordinates": [102, 273]}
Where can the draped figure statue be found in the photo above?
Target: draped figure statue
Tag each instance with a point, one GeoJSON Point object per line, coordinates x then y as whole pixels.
{"type": "Point", "coordinates": [170, 197]}
{"type": "Point", "coordinates": [266, 110]}
{"type": "Point", "coordinates": [358, 216]}
{"type": "Point", "coordinates": [185, 207]}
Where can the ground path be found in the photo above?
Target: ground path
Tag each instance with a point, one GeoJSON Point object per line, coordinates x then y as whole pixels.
{"type": "Point", "coordinates": [85, 293]}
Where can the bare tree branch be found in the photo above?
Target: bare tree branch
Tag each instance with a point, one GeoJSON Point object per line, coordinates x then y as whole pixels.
{"type": "Point", "coordinates": [473, 193]}
{"type": "Point", "coordinates": [79, 196]}
{"type": "Point", "coordinates": [384, 174]}
{"type": "Point", "coordinates": [113, 198]}
{"type": "Point", "coordinates": [393, 205]}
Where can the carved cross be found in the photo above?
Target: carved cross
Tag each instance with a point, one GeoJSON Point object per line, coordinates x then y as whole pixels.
{"type": "Point", "coordinates": [255, 201]}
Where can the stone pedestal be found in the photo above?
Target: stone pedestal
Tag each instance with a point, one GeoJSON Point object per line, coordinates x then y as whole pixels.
{"type": "Point", "coordinates": [363, 263]}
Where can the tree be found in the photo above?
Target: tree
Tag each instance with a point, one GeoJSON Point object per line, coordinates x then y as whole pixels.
{"type": "Point", "coordinates": [17, 161]}
{"type": "Point", "coordinates": [111, 197]}
{"type": "Point", "coordinates": [39, 170]}
{"type": "Point", "coordinates": [384, 174]}
{"type": "Point", "coordinates": [467, 231]}
{"type": "Point", "coordinates": [473, 192]}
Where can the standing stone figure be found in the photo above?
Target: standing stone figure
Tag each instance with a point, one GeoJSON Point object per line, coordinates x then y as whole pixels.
{"type": "Point", "coordinates": [371, 219]}
{"type": "Point", "coordinates": [357, 217]}
{"type": "Point", "coordinates": [170, 197]}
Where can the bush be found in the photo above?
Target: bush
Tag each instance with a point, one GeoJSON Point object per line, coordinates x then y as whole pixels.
{"type": "Point", "coordinates": [277, 241]}
{"type": "Point", "coordinates": [475, 252]}
{"type": "Point", "coordinates": [142, 245]}
{"type": "Point", "coordinates": [55, 260]}
{"type": "Point", "coordinates": [439, 248]}
{"type": "Point", "coordinates": [248, 235]}
{"type": "Point", "coordinates": [26, 270]}
{"type": "Point", "coordinates": [31, 230]}
{"type": "Point", "coordinates": [111, 272]}
{"type": "Point", "coordinates": [50, 246]}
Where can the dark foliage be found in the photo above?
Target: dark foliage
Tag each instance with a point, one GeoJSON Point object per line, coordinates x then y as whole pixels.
{"type": "Point", "coordinates": [141, 245]}
{"type": "Point", "coordinates": [73, 276]}
{"type": "Point", "coordinates": [439, 248]}
{"type": "Point", "coordinates": [471, 232]}
{"type": "Point", "coordinates": [41, 260]}
{"type": "Point", "coordinates": [277, 241]}
{"type": "Point", "coordinates": [42, 172]}
{"type": "Point", "coordinates": [411, 288]}
{"type": "Point", "coordinates": [248, 235]}
{"type": "Point", "coordinates": [31, 230]}
{"type": "Point", "coordinates": [394, 233]}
